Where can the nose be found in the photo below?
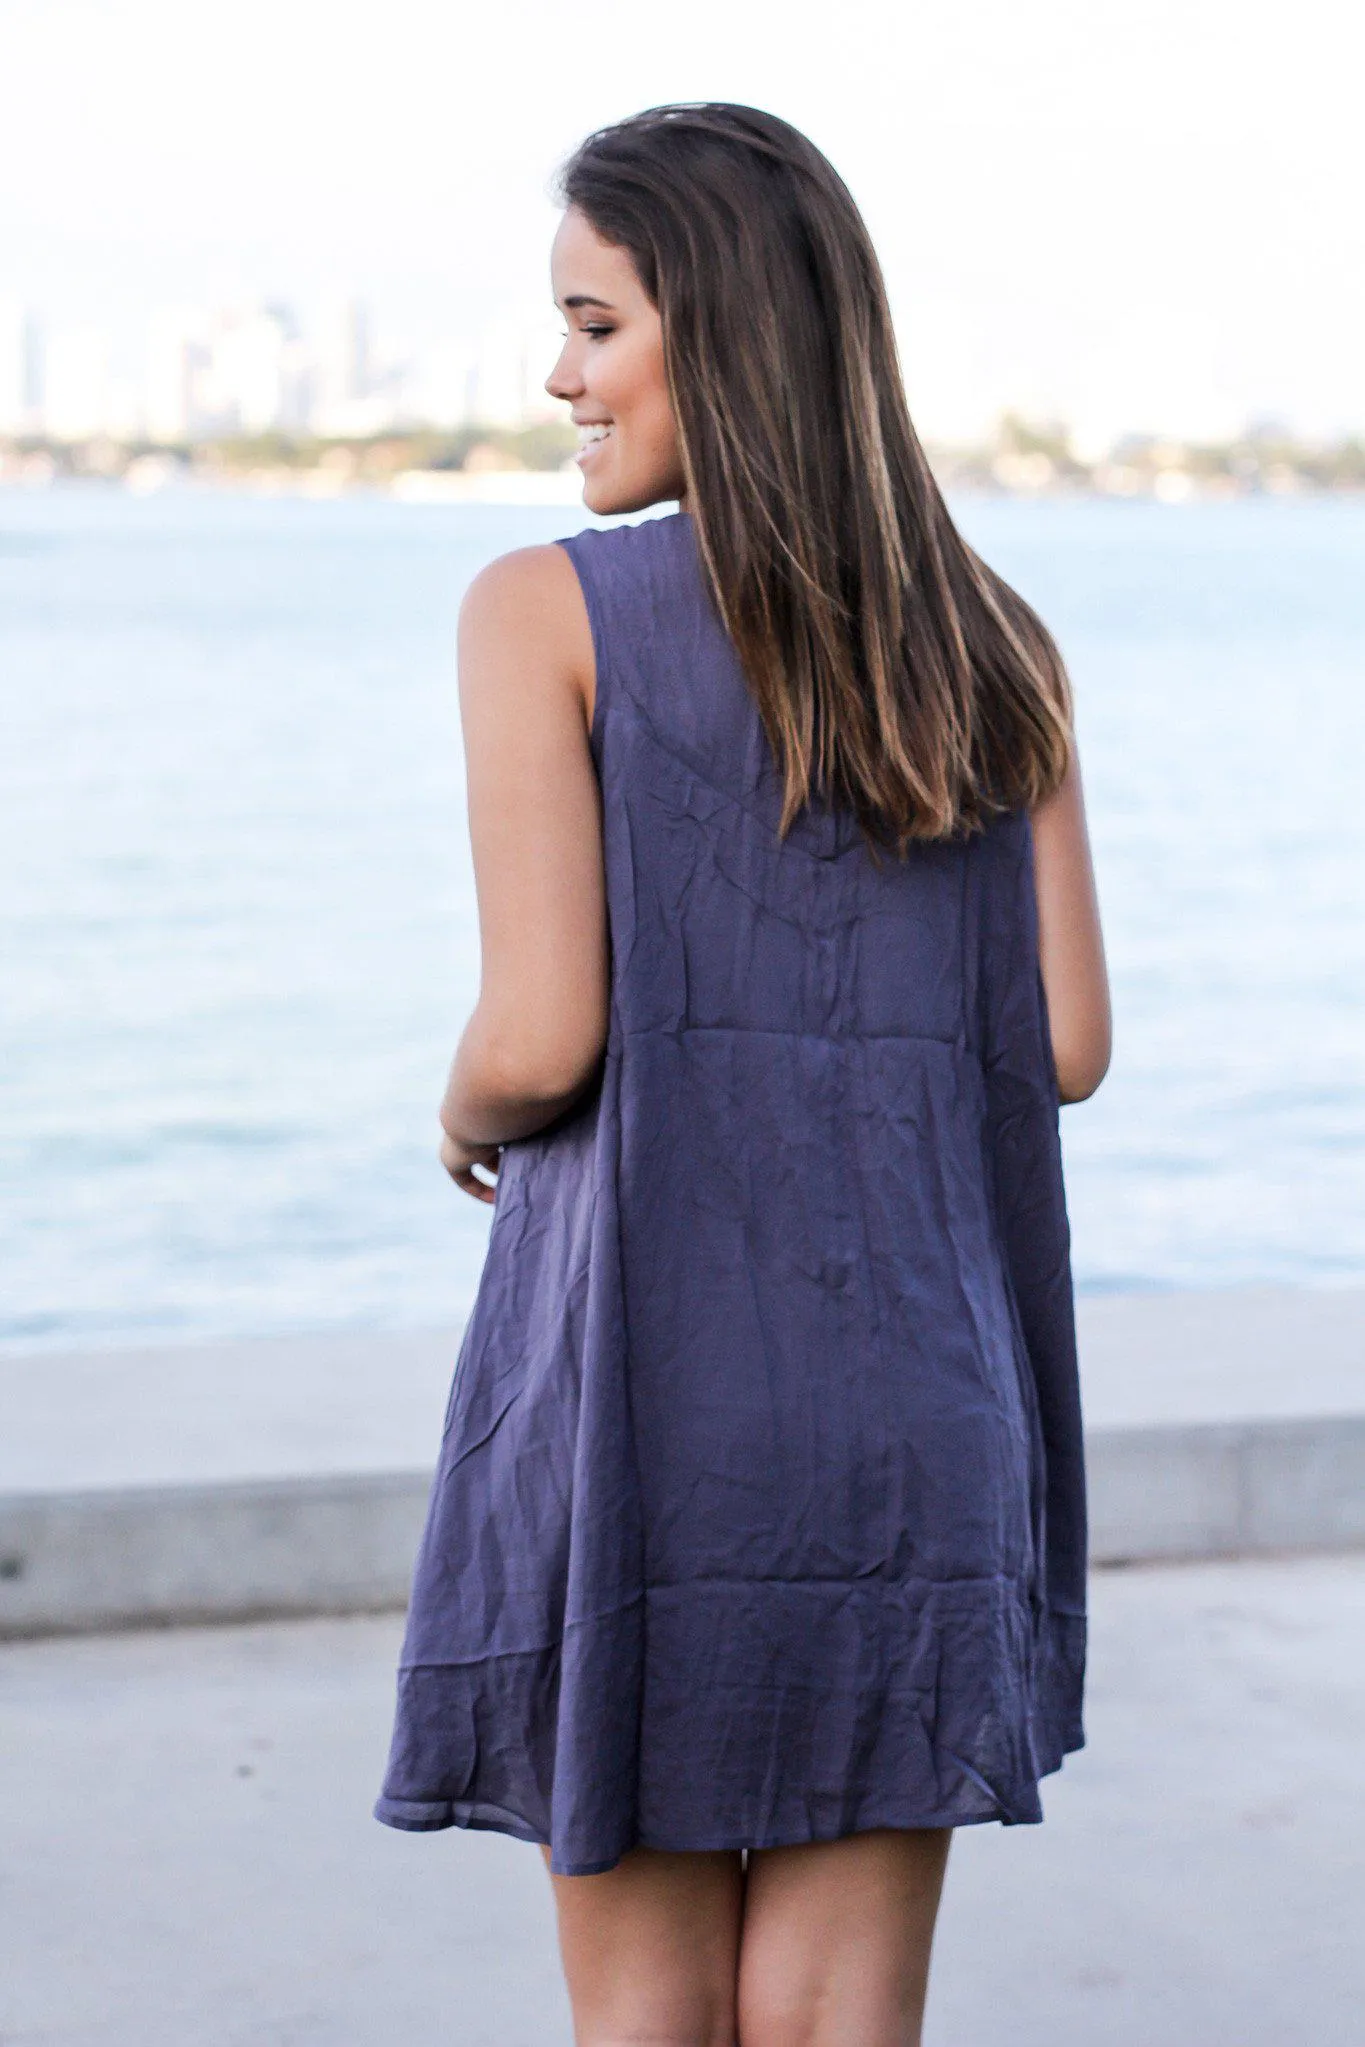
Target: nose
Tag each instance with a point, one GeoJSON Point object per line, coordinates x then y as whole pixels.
{"type": "Point", "coordinates": [563, 380]}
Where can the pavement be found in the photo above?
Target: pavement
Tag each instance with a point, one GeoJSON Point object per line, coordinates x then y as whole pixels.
{"type": "Point", "coordinates": [290, 1475]}
{"type": "Point", "coordinates": [187, 1857]}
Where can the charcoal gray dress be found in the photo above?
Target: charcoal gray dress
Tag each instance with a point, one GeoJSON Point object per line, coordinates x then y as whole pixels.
{"type": "Point", "coordinates": [759, 1515]}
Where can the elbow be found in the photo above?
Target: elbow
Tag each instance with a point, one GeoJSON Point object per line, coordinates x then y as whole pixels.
{"type": "Point", "coordinates": [1081, 1068]}
{"type": "Point", "coordinates": [514, 1073]}
{"type": "Point", "coordinates": [527, 1083]}
{"type": "Point", "coordinates": [549, 1078]}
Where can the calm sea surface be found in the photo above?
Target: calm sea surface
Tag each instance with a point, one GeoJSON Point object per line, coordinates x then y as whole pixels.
{"type": "Point", "coordinates": [237, 924]}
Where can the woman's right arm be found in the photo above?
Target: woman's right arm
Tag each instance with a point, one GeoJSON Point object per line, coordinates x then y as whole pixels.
{"type": "Point", "coordinates": [1070, 942]}
{"type": "Point", "coordinates": [539, 1027]}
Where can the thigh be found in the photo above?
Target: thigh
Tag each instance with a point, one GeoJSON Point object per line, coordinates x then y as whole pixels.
{"type": "Point", "coordinates": [650, 1949]}
{"type": "Point", "coordinates": [835, 1940]}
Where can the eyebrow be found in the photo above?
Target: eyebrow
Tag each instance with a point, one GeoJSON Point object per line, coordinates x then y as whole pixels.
{"type": "Point", "coordinates": [582, 298]}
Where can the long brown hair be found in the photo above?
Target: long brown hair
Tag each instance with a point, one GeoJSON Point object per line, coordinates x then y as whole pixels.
{"type": "Point", "coordinates": [894, 672]}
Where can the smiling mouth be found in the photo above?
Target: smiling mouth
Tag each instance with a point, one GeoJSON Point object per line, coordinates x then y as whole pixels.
{"type": "Point", "coordinates": [590, 437]}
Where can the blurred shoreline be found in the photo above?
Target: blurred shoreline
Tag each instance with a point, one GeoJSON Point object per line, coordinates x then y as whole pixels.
{"type": "Point", "coordinates": [535, 465]}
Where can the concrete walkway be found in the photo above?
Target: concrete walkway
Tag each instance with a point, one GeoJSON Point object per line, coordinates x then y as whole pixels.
{"type": "Point", "coordinates": [290, 1476]}
{"type": "Point", "coordinates": [187, 1858]}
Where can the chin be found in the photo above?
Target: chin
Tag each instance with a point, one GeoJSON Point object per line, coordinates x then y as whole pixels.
{"type": "Point", "coordinates": [610, 495]}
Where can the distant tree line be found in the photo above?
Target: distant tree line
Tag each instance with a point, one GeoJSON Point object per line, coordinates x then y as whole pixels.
{"type": "Point", "coordinates": [1020, 456]}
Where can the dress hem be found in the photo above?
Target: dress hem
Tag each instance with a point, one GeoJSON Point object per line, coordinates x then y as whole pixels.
{"type": "Point", "coordinates": [412, 1816]}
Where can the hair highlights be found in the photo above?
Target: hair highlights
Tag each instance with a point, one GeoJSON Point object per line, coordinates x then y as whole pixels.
{"type": "Point", "coordinates": [894, 672]}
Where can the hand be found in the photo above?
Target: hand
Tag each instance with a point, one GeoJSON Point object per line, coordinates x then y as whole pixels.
{"type": "Point", "coordinates": [459, 1160]}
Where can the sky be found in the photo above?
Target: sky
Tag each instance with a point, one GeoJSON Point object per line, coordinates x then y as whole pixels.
{"type": "Point", "coordinates": [1129, 216]}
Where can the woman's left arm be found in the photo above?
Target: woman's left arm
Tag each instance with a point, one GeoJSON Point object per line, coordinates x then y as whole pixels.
{"type": "Point", "coordinates": [1070, 942]}
{"type": "Point", "coordinates": [536, 1037]}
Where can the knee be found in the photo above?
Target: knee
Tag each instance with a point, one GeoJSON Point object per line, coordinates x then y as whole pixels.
{"type": "Point", "coordinates": [780, 2019]}
{"type": "Point", "coordinates": [685, 2022]}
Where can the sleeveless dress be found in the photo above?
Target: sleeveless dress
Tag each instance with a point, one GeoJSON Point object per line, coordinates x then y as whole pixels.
{"type": "Point", "coordinates": [759, 1516]}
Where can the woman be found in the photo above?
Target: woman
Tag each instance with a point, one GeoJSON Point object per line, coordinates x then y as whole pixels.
{"type": "Point", "coordinates": [755, 1558]}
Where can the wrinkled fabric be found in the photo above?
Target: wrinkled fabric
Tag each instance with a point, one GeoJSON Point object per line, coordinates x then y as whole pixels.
{"type": "Point", "coordinates": [759, 1516]}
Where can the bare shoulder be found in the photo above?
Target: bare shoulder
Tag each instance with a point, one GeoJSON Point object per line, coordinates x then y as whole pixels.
{"type": "Point", "coordinates": [533, 595]}
{"type": "Point", "coordinates": [525, 634]}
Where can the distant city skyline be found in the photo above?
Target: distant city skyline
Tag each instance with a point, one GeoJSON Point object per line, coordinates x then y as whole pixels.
{"type": "Point", "coordinates": [1139, 216]}
{"type": "Point", "coordinates": [258, 366]}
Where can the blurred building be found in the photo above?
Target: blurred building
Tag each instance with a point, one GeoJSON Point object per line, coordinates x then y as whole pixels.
{"type": "Point", "coordinates": [507, 379]}
{"type": "Point", "coordinates": [257, 377]}
{"type": "Point", "coordinates": [77, 384]}
{"type": "Point", "coordinates": [177, 355]}
{"type": "Point", "coordinates": [345, 373]}
{"type": "Point", "coordinates": [21, 370]}
{"type": "Point", "coordinates": [443, 385]}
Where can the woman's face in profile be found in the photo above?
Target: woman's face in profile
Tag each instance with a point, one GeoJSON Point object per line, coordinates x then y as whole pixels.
{"type": "Point", "coordinates": [611, 372]}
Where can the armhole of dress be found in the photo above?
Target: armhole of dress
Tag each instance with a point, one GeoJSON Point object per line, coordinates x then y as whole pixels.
{"type": "Point", "coordinates": [587, 583]}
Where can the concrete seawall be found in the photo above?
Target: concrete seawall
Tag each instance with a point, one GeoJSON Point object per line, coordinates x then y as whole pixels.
{"type": "Point", "coordinates": [289, 1476]}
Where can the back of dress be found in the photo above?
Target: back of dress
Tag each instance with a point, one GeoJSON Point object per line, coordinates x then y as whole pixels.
{"type": "Point", "coordinates": [760, 1511]}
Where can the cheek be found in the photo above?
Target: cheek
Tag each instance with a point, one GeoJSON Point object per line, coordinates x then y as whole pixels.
{"type": "Point", "coordinates": [650, 432]}
{"type": "Point", "coordinates": [663, 433]}
{"type": "Point", "coordinates": [635, 390]}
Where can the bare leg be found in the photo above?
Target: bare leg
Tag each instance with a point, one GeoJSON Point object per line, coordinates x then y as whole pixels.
{"type": "Point", "coordinates": [650, 1950]}
{"type": "Point", "coordinates": [834, 1946]}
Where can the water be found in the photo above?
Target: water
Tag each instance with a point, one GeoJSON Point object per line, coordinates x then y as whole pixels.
{"type": "Point", "coordinates": [238, 932]}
